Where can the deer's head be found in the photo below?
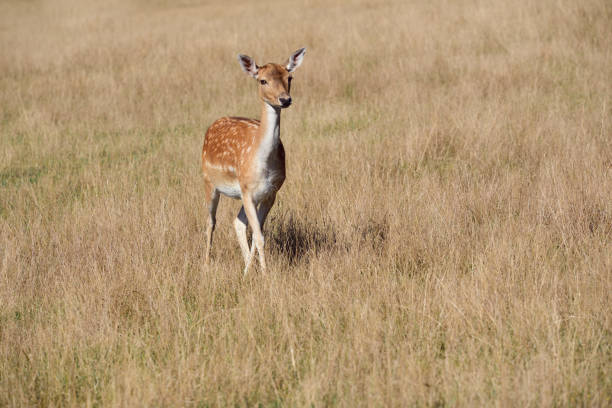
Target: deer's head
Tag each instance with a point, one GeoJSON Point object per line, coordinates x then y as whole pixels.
{"type": "Point", "coordinates": [274, 79]}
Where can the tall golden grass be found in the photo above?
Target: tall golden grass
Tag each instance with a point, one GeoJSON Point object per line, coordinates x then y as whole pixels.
{"type": "Point", "coordinates": [444, 236]}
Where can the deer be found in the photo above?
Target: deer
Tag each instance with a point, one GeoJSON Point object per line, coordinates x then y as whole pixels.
{"type": "Point", "coordinates": [244, 158]}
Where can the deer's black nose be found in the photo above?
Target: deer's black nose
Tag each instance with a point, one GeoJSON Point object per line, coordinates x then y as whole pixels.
{"type": "Point", "coordinates": [285, 102]}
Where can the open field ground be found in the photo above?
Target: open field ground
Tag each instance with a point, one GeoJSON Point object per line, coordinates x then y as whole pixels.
{"type": "Point", "coordinates": [444, 236]}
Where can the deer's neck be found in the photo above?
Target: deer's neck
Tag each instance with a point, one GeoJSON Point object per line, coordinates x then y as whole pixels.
{"type": "Point", "coordinates": [269, 131]}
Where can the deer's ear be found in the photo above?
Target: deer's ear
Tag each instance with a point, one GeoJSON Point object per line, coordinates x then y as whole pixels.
{"type": "Point", "coordinates": [248, 65]}
{"type": "Point", "coordinates": [295, 60]}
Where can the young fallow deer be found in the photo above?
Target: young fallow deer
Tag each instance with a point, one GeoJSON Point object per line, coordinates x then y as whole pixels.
{"type": "Point", "coordinates": [244, 158]}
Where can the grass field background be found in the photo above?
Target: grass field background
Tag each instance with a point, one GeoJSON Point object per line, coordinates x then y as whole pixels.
{"type": "Point", "coordinates": [444, 236]}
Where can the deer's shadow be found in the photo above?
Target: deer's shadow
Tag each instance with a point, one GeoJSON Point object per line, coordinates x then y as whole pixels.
{"type": "Point", "coordinates": [294, 239]}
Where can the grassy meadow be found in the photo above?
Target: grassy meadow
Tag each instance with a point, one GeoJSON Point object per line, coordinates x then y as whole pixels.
{"type": "Point", "coordinates": [443, 238]}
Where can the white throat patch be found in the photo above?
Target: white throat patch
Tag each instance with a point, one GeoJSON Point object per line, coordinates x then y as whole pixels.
{"type": "Point", "coordinates": [271, 134]}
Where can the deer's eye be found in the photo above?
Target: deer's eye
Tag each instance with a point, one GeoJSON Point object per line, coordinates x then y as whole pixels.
{"type": "Point", "coordinates": [263, 82]}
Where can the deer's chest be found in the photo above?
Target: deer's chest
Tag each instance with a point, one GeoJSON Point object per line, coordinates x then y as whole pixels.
{"type": "Point", "coordinates": [269, 175]}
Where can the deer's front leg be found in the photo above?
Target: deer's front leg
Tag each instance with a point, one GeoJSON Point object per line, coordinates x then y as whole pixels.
{"type": "Point", "coordinates": [264, 209]}
{"type": "Point", "coordinates": [258, 239]}
{"type": "Point", "coordinates": [240, 225]}
{"type": "Point", "coordinates": [262, 213]}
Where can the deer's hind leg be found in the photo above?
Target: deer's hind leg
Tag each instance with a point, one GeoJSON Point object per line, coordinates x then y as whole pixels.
{"type": "Point", "coordinates": [212, 201]}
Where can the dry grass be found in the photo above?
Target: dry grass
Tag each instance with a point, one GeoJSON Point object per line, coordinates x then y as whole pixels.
{"type": "Point", "coordinates": [444, 236]}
